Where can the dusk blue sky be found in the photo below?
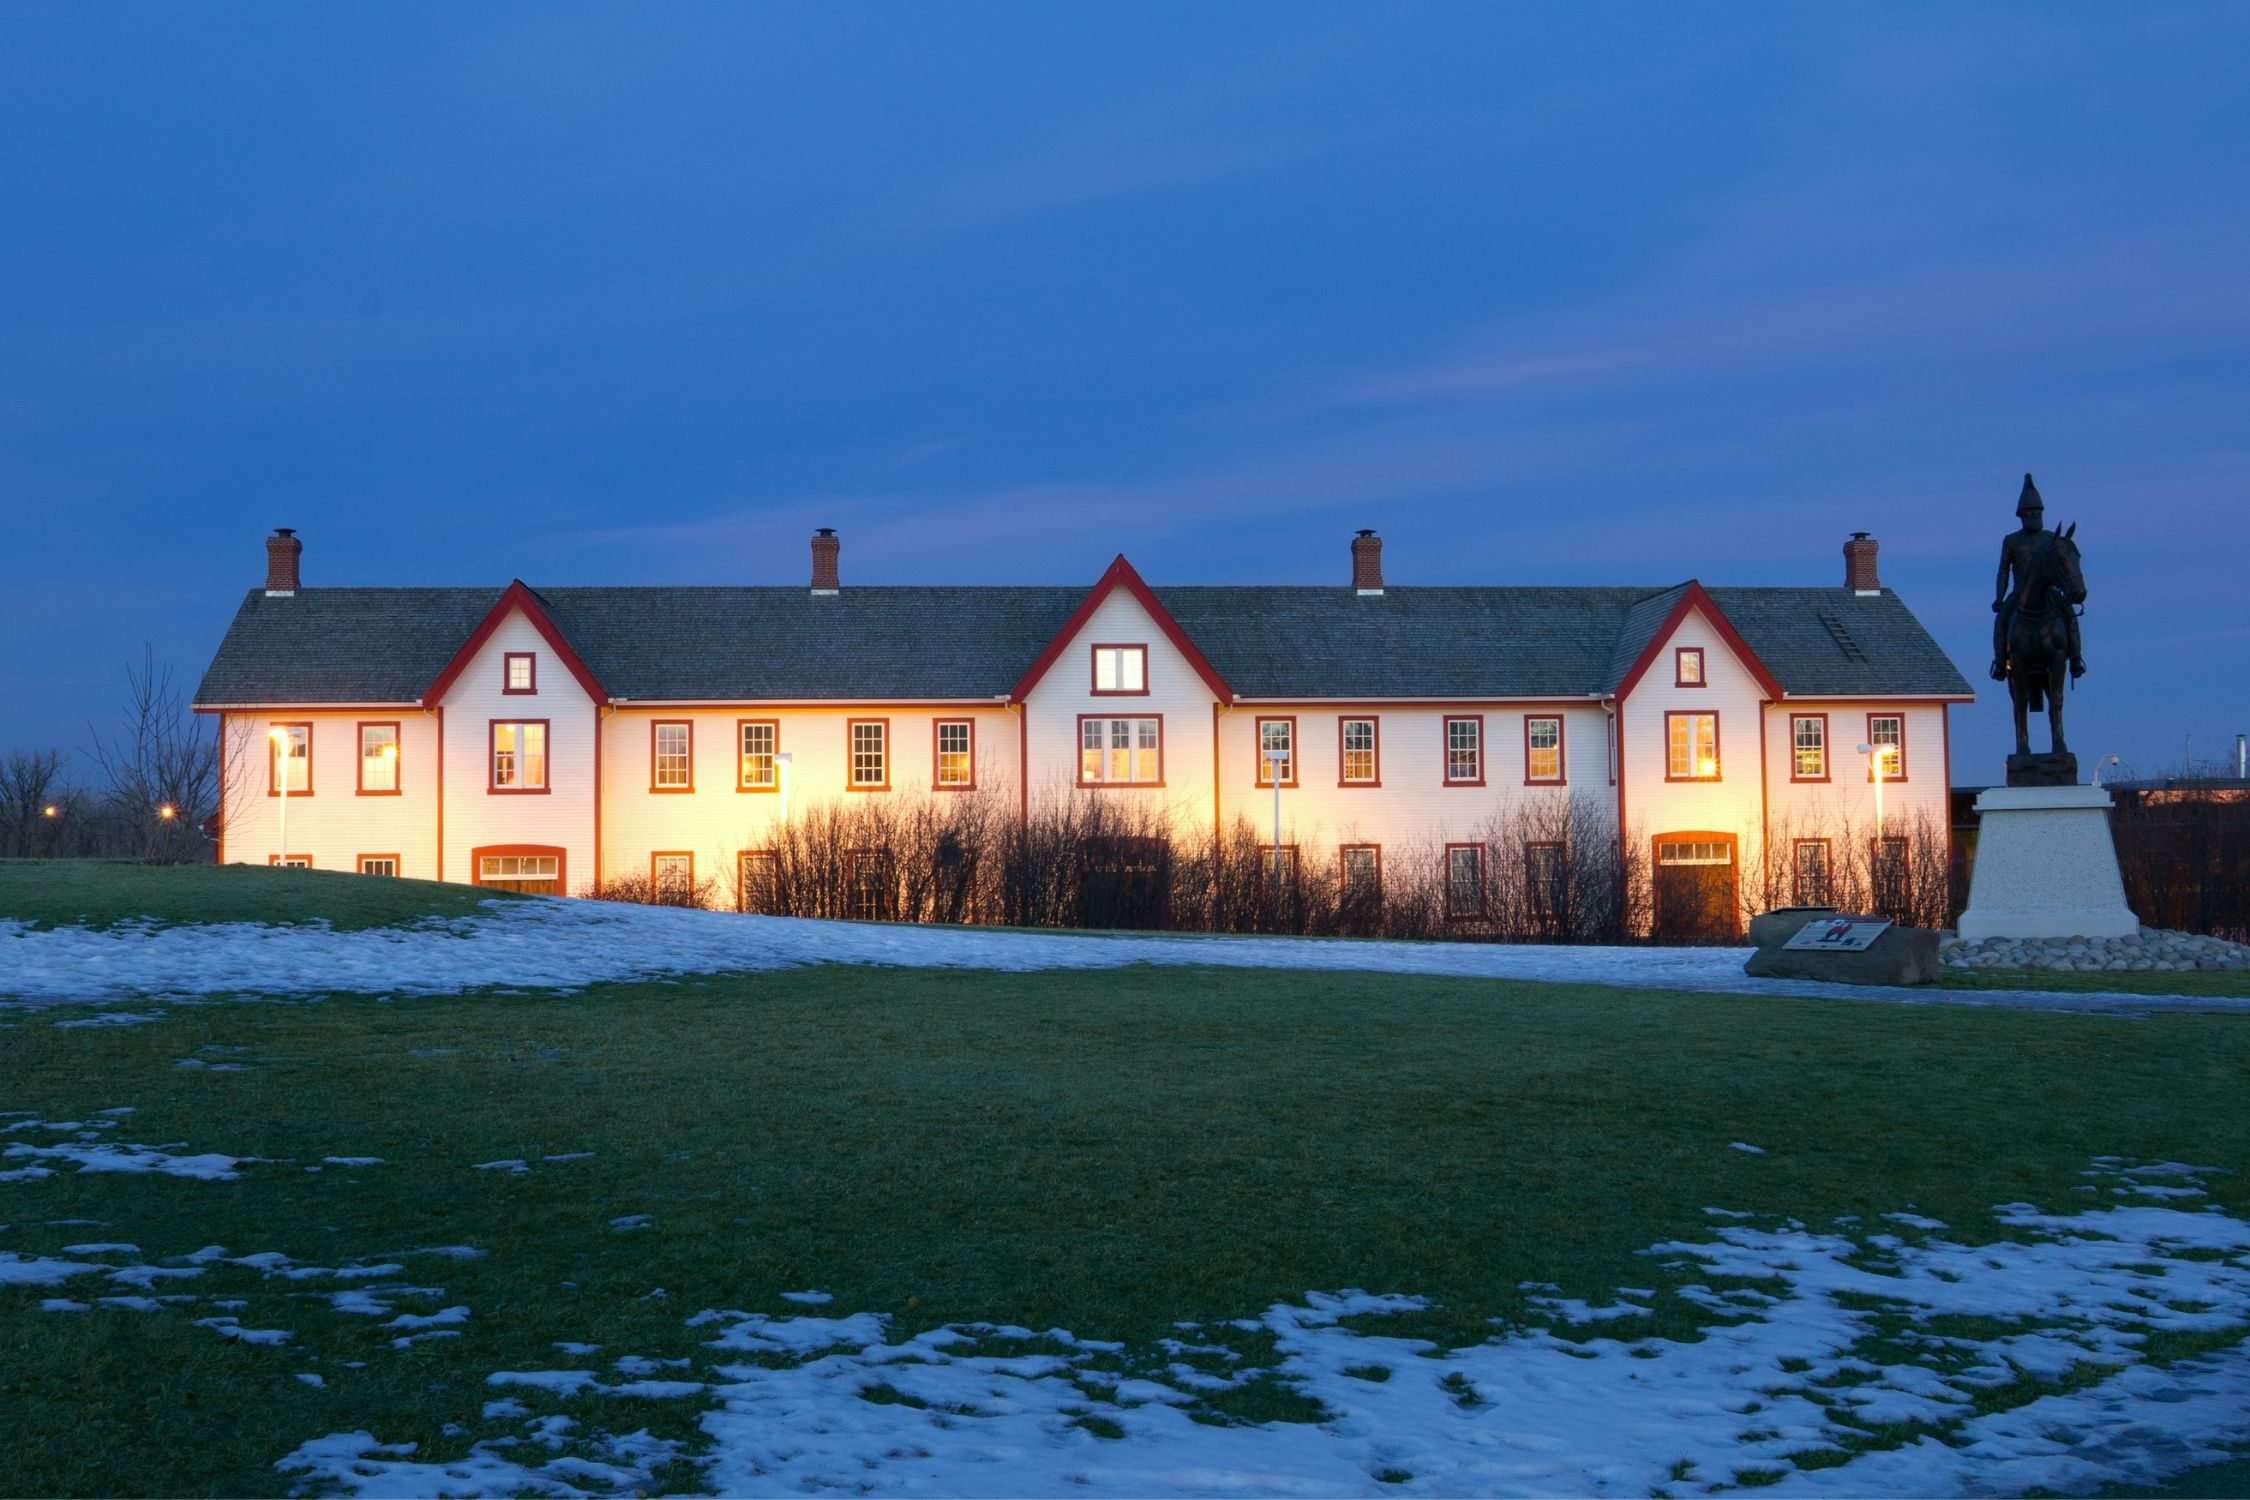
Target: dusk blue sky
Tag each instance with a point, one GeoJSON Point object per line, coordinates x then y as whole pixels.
{"type": "Point", "coordinates": [1628, 295]}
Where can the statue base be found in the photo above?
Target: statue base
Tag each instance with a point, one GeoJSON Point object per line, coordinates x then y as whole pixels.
{"type": "Point", "coordinates": [2049, 769]}
{"type": "Point", "coordinates": [2046, 866]}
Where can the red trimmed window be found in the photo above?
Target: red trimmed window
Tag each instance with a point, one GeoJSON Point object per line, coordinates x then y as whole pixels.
{"type": "Point", "coordinates": [1120, 671]}
{"type": "Point", "coordinates": [1886, 733]}
{"type": "Point", "coordinates": [1543, 879]}
{"type": "Point", "coordinates": [289, 759]}
{"type": "Point", "coordinates": [1691, 747]}
{"type": "Point", "coordinates": [758, 743]}
{"type": "Point", "coordinates": [755, 890]}
{"type": "Point", "coordinates": [519, 755]}
{"type": "Point", "coordinates": [293, 862]}
{"type": "Point", "coordinates": [1359, 758]}
{"type": "Point", "coordinates": [671, 755]}
{"type": "Point", "coordinates": [1808, 750]}
{"type": "Point", "coordinates": [1687, 667]}
{"type": "Point", "coordinates": [1120, 751]}
{"type": "Point", "coordinates": [378, 759]}
{"type": "Point", "coordinates": [1543, 750]}
{"type": "Point", "coordinates": [671, 876]}
{"type": "Point", "coordinates": [378, 864]}
{"type": "Point", "coordinates": [1809, 859]}
{"type": "Point", "coordinates": [520, 672]}
{"type": "Point", "coordinates": [1277, 737]}
{"type": "Point", "coordinates": [954, 752]}
{"type": "Point", "coordinates": [1464, 881]}
{"type": "Point", "coordinates": [1277, 868]}
{"type": "Point", "coordinates": [869, 743]}
{"type": "Point", "coordinates": [1464, 750]}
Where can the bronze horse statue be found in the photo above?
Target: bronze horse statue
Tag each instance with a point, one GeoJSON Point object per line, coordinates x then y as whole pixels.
{"type": "Point", "coordinates": [2038, 632]}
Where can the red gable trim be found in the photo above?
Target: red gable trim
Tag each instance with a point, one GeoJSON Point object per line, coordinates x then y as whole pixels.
{"type": "Point", "coordinates": [1121, 575]}
{"type": "Point", "coordinates": [517, 597]}
{"type": "Point", "coordinates": [1693, 598]}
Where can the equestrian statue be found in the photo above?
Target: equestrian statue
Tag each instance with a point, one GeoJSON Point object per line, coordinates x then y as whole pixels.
{"type": "Point", "coordinates": [2035, 603]}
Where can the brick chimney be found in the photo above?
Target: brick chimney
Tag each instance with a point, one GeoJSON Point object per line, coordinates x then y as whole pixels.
{"type": "Point", "coordinates": [1859, 565]}
{"type": "Point", "coordinates": [282, 552]}
{"type": "Point", "coordinates": [825, 546]}
{"type": "Point", "coordinates": [1367, 563]}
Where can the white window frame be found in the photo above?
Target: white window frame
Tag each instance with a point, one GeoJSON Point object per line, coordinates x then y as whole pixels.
{"type": "Point", "coordinates": [1137, 738]}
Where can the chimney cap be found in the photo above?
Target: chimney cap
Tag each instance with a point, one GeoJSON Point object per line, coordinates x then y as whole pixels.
{"type": "Point", "coordinates": [1365, 531]}
{"type": "Point", "coordinates": [1861, 536]}
{"type": "Point", "coordinates": [824, 531]}
{"type": "Point", "coordinates": [285, 531]}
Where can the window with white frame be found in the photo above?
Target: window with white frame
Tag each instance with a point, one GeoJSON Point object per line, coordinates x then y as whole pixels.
{"type": "Point", "coordinates": [522, 669]}
{"type": "Point", "coordinates": [1357, 748]}
{"type": "Point", "coordinates": [291, 862]}
{"type": "Point", "coordinates": [761, 739]}
{"type": "Point", "coordinates": [672, 756]}
{"type": "Point", "coordinates": [1277, 738]}
{"type": "Point", "coordinates": [1464, 750]}
{"type": "Point", "coordinates": [534, 874]}
{"type": "Point", "coordinates": [956, 754]}
{"type": "Point", "coordinates": [1688, 666]}
{"type": "Point", "coordinates": [1887, 734]}
{"type": "Point", "coordinates": [1280, 868]}
{"type": "Point", "coordinates": [1811, 857]}
{"type": "Point", "coordinates": [1542, 748]}
{"type": "Point", "coordinates": [755, 891]}
{"type": "Point", "coordinates": [519, 755]}
{"type": "Point", "coordinates": [378, 864]}
{"type": "Point", "coordinates": [1120, 752]}
{"type": "Point", "coordinates": [1691, 747]}
{"type": "Point", "coordinates": [1362, 870]}
{"type": "Point", "coordinates": [1543, 878]}
{"type": "Point", "coordinates": [1464, 880]}
{"type": "Point", "coordinates": [672, 877]}
{"type": "Point", "coordinates": [1808, 747]}
{"type": "Point", "coordinates": [378, 758]}
{"type": "Point", "coordinates": [1121, 669]}
{"type": "Point", "coordinates": [871, 754]}
{"type": "Point", "coordinates": [289, 759]}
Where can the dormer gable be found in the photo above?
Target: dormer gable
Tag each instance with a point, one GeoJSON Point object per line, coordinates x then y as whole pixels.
{"type": "Point", "coordinates": [1120, 575]}
{"type": "Point", "coordinates": [516, 599]}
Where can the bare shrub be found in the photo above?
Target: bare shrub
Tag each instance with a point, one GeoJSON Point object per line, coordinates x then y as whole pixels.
{"type": "Point", "coordinates": [2185, 857]}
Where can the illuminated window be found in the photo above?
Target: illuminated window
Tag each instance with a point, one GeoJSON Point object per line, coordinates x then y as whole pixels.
{"type": "Point", "coordinates": [1542, 749]}
{"type": "Point", "coordinates": [519, 755]}
{"type": "Point", "coordinates": [533, 874]}
{"type": "Point", "coordinates": [378, 758]}
{"type": "Point", "coordinates": [1277, 737]}
{"type": "Point", "coordinates": [1121, 669]}
{"type": "Point", "coordinates": [761, 738]}
{"type": "Point", "coordinates": [1887, 733]}
{"type": "Point", "coordinates": [522, 672]}
{"type": "Point", "coordinates": [672, 751]}
{"type": "Point", "coordinates": [289, 760]}
{"type": "Point", "coordinates": [1464, 751]}
{"type": "Point", "coordinates": [1360, 767]}
{"type": "Point", "coordinates": [956, 760]}
{"type": "Point", "coordinates": [1120, 752]}
{"type": "Point", "coordinates": [378, 864]}
{"type": "Point", "coordinates": [1691, 747]}
{"type": "Point", "coordinates": [1808, 748]}
{"type": "Point", "coordinates": [871, 754]}
{"type": "Point", "coordinates": [1464, 880]}
{"type": "Point", "coordinates": [1689, 663]}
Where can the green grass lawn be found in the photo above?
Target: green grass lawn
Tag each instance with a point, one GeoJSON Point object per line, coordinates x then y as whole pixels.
{"type": "Point", "coordinates": [2207, 984]}
{"type": "Point", "coordinates": [105, 892]}
{"type": "Point", "coordinates": [1105, 1152]}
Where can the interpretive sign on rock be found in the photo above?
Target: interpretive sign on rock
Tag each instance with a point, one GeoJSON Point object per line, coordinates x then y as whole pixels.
{"type": "Point", "coordinates": [1838, 935]}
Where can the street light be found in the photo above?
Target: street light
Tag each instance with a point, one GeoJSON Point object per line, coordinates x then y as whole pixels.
{"type": "Point", "coordinates": [2099, 763]}
{"type": "Point", "coordinates": [781, 782]}
{"type": "Point", "coordinates": [167, 812]}
{"type": "Point", "coordinates": [50, 811]}
{"type": "Point", "coordinates": [280, 738]}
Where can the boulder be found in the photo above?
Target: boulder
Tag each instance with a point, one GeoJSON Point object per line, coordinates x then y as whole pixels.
{"type": "Point", "coordinates": [1902, 955]}
{"type": "Point", "coordinates": [1773, 928]}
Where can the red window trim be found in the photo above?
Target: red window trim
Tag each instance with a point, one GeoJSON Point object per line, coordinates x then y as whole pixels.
{"type": "Point", "coordinates": [850, 728]}
{"type": "Point", "coordinates": [936, 785]}
{"type": "Point", "coordinates": [1827, 752]}
{"type": "Point", "coordinates": [1680, 654]}
{"type": "Point", "coordinates": [478, 855]}
{"type": "Point", "coordinates": [1375, 747]}
{"type": "Point", "coordinates": [671, 791]}
{"type": "Point", "coordinates": [1094, 669]}
{"type": "Point", "coordinates": [296, 861]}
{"type": "Point", "coordinates": [492, 763]}
{"type": "Point", "coordinates": [1718, 743]}
{"type": "Point", "coordinates": [657, 854]}
{"type": "Point", "coordinates": [1258, 749]}
{"type": "Point", "coordinates": [1827, 866]}
{"type": "Point", "coordinates": [508, 659]}
{"type": "Point", "coordinates": [1445, 751]}
{"type": "Point", "coordinates": [1888, 713]}
{"type": "Point", "coordinates": [1078, 755]}
{"type": "Point", "coordinates": [1342, 881]}
{"type": "Point", "coordinates": [742, 860]}
{"type": "Point", "coordinates": [1562, 751]}
{"type": "Point", "coordinates": [1265, 865]}
{"type": "Point", "coordinates": [273, 766]}
{"type": "Point", "coordinates": [1484, 886]}
{"type": "Point", "coordinates": [738, 782]}
{"type": "Point", "coordinates": [398, 770]}
{"type": "Point", "coordinates": [1531, 885]}
{"type": "Point", "coordinates": [398, 865]}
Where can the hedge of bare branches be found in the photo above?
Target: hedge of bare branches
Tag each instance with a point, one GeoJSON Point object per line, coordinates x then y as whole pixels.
{"type": "Point", "coordinates": [2186, 859]}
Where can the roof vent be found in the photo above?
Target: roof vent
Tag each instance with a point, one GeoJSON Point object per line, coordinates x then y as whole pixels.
{"type": "Point", "coordinates": [1367, 563]}
{"type": "Point", "coordinates": [825, 547]}
{"type": "Point", "coordinates": [282, 551]}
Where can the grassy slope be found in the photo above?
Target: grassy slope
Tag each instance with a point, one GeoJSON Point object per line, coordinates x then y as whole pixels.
{"type": "Point", "coordinates": [1101, 1151]}
{"type": "Point", "coordinates": [102, 893]}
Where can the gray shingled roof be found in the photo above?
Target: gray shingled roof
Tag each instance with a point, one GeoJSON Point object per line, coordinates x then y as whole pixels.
{"type": "Point", "coordinates": [867, 644]}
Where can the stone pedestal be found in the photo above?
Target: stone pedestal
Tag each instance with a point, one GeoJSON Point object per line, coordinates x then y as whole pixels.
{"type": "Point", "coordinates": [2046, 867]}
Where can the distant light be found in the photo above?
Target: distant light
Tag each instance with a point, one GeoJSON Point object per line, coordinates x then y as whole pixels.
{"type": "Point", "coordinates": [167, 812]}
{"type": "Point", "coordinates": [50, 810]}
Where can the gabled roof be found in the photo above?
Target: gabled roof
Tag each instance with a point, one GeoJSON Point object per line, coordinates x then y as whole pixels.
{"type": "Point", "coordinates": [748, 645]}
{"type": "Point", "coordinates": [1120, 575]}
{"type": "Point", "coordinates": [514, 599]}
{"type": "Point", "coordinates": [1688, 598]}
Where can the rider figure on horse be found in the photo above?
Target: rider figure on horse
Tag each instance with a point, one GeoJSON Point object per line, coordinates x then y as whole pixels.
{"type": "Point", "coordinates": [2015, 558]}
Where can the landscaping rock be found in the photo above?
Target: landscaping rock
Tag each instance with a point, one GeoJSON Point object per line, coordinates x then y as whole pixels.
{"type": "Point", "coordinates": [2152, 950]}
{"type": "Point", "coordinates": [1901, 955]}
{"type": "Point", "coordinates": [1770, 929]}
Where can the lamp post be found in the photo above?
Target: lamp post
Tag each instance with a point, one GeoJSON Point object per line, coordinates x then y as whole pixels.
{"type": "Point", "coordinates": [781, 780]}
{"type": "Point", "coordinates": [280, 738]}
{"type": "Point", "coordinates": [1275, 760]}
{"type": "Point", "coordinates": [2100, 762]}
{"type": "Point", "coordinates": [1879, 759]}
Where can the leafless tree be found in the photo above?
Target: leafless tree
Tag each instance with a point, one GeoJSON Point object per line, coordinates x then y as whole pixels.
{"type": "Point", "coordinates": [160, 769]}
